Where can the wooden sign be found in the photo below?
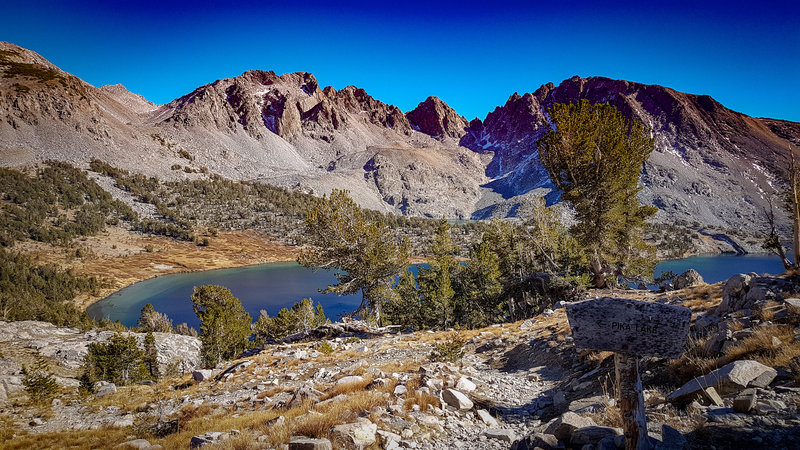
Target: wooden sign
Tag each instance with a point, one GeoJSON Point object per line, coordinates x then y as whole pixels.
{"type": "Point", "coordinates": [631, 327]}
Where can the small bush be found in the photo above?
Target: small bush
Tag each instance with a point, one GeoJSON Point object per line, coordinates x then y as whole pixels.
{"type": "Point", "coordinates": [451, 350]}
{"type": "Point", "coordinates": [40, 385]}
{"type": "Point", "coordinates": [325, 348]}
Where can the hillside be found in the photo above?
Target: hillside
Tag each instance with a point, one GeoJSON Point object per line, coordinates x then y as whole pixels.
{"type": "Point", "coordinates": [712, 166]}
{"type": "Point", "coordinates": [519, 385]}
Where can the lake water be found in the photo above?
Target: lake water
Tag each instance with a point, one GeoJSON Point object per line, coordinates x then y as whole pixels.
{"type": "Point", "coordinates": [280, 285]}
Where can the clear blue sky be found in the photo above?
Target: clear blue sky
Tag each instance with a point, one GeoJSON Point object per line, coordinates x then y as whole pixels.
{"type": "Point", "coordinates": [473, 56]}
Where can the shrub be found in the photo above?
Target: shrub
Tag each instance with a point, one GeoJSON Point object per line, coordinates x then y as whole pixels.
{"type": "Point", "coordinates": [40, 385]}
{"type": "Point", "coordinates": [120, 361]}
{"type": "Point", "coordinates": [451, 350]}
{"type": "Point", "coordinates": [152, 320]}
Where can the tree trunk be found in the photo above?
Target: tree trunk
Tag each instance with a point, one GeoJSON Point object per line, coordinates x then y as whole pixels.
{"type": "Point", "coordinates": [631, 401]}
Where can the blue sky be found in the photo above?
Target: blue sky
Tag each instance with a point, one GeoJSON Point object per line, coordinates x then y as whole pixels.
{"type": "Point", "coordinates": [472, 55]}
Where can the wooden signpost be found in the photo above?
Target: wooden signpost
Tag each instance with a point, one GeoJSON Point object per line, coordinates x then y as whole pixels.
{"type": "Point", "coordinates": [631, 329]}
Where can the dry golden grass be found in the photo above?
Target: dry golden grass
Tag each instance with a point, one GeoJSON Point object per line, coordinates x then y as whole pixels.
{"type": "Point", "coordinates": [696, 361]}
{"type": "Point", "coordinates": [95, 439]}
{"type": "Point", "coordinates": [347, 388]}
{"type": "Point", "coordinates": [759, 347]}
{"type": "Point", "coordinates": [425, 400]}
{"type": "Point", "coordinates": [702, 297]}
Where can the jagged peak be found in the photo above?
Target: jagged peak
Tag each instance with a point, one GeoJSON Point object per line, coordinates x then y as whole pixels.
{"type": "Point", "coordinates": [436, 118]}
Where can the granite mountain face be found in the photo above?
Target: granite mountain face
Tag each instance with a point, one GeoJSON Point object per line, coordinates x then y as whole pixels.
{"type": "Point", "coordinates": [711, 165]}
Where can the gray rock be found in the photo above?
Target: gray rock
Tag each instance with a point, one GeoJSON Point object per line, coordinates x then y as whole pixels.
{"type": "Point", "coordinates": [457, 399]}
{"type": "Point", "coordinates": [671, 439]}
{"type": "Point", "coordinates": [400, 389]}
{"type": "Point", "coordinates": [711, 395]}
{"type": "Point", "coordinates": [731, 378]}
{"type": "Point", "coordinates": [793, 305]}
{"type": "Point", "coordinates": [770, 406]}
{"type": "Point", "coordinates": [559, 399]}
{"type": "Point", "coordinates": [537, 441]}
{"type": "Point", "coordinates": [465, 385]}
{"type": "Point", "coordinates": [207, 438]}
{"type": "Point", "coordinates": [141, 444]}
{"type": "Point", "coordinates": [487, 418]}
{"type": "Point", "coordinates": [563, 427]}
{"type": "Point", "coordinates": [102, 388]}
{"type": "Point", "coordinates": [200, 375]}
{"type": "Point", "coordinates": [352, 379]}
{"type": "Point", "coordinates": [745, 401]}
{"type": "Point", "coordinates": [500, 434]}
{"type": "Point", "coordinates": [688, 279]}
{"type": "Point", "coordinates": [733, 292]}
{"type": "Point", "coordinates": [590, 405]}
{"type": "Point", "coordinates": [355, 435]}
{"type": "Point", "coordinates": [278, 421]}
{"type": "Point", "coordinates": [306, 443]}
{"type": "Point", "coordinates": [592, 435]}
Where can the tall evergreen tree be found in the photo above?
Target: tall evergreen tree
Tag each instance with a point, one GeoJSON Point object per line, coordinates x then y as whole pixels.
{"type": "Point", "coordinates": [481, 286]}
{"type": "Point", "coordinates": [366, 252]}
{"type": "Point", "coordinates": [150, 356]}
{"type": "Point", "coordinates": [224, 324]}
{"type": "Point", "coordinates": [435, 282]}
{"type": "Point", "coordinates": [594, 156]}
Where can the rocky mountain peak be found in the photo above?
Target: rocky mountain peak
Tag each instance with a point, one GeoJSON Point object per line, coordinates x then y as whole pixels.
{"type": "Point", "coordinates": [436, 119]}
{"type": "Point", "coordinates": [135, 102]}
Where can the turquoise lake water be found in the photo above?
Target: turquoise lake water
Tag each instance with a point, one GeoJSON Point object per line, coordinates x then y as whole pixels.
{"type": "Point", "coordinates": [280, 285]}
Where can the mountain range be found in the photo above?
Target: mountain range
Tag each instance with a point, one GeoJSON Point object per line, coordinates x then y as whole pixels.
{"type": "Point", "coordinates": [711, 165]}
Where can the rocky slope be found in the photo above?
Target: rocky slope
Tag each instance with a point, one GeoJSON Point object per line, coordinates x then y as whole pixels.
{"type": "Point", "coordinates": [521, 385]}
{"type": "Point", "coordinates": [711, 165]}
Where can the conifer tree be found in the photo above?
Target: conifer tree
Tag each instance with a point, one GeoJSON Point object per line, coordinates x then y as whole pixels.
{"type": "Point", "coordinates": [594, 156]}
{"type": "Point", "coordinates": [150, 356]}
{"type": "Point", "coordinates": [224, 324]}
{"type": "Point", "coordinates": [366, 252]}
{"type": "Point", "coordinates": [435, 282]}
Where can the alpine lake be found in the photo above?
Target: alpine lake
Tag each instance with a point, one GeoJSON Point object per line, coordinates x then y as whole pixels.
{"type": "Point", "coordinates": [279, 285]}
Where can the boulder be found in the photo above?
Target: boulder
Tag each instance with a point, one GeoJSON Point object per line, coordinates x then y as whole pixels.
{"type": "Point", "coordinates": [688, 279]}
{"type": "Point", "coordinates": [501, 434]}
{"type": "Point", "coordinates": [457, 399]}
{"type": "Point", "coordinates": [563, 427]}
{"type": "Point", "coordinates": [103, 388]}
{"type": "Point", "coordinates": [465, 385]}
{"type": "Point", "coordinates": [729, 379]}
{"type": "Point", "coordinates": [745, 401]}
{"type": "Point", "coordinates": [207, 438]}
{"type": "Point", "coordinates": [592, 435]}
{"type": "Point", "coordinates": [537, 441]}
{"type": "Point", "coordinates": [355, 435]}
{"type": "Point", "coordinates": [305, 443]}
{"type": "Point", "coordinates": [352, 379]}
{"type": "Point", "coordinates": [733, 293]}
{"type": "Point", "coordinates": [200, 375]}
{"type": "Point", "coordinates": [793, 305]}
{"type": "Point", "coordinates": [487, 418]}
{"type": "Point", "coordinates": [400, 389]}
{"type": "Point", "coordinates": [671, 439]}
{"type": "Point", "coordinates": [139, 444]}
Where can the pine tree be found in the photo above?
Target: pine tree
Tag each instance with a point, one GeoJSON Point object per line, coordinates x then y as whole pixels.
{"type": "Point", "coordinates": [150, 356]}
{"type": "Point", "coordinates": [366, 252]}
{"type": "Point", "coordinates": [481, 286]}
{"type": "Point", "coordinates": [435, 282]}
{"type": "Point", "coordinates": [224, 324]}
{"type": "Point", "coordinates": [119, 360]}
{"type": "Point", "coordinates": [40, 384]}
{"type": "Point", "coordinates": [594, 156]}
